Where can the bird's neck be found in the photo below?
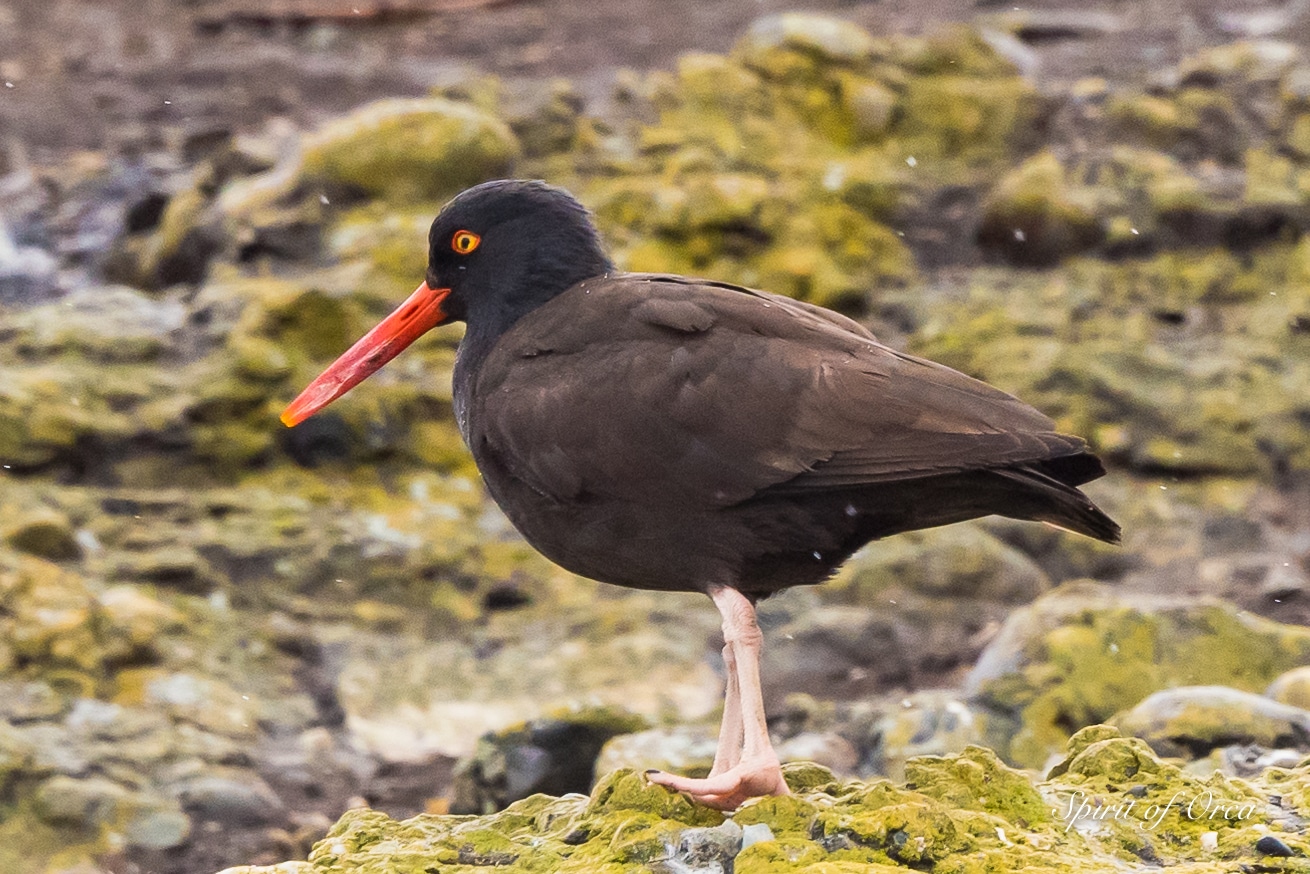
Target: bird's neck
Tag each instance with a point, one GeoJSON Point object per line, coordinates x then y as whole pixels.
{"type": "Point", "coordinates": [490, 317]}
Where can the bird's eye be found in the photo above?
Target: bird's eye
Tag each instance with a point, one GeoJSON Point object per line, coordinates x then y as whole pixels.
{"type": "Point", "coordinates": [464, 242]}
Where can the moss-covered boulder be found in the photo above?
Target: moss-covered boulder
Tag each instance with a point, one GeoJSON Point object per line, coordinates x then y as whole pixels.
{"type": "Point", "coordinates": [1033, 217]}
{"type": "Point", "coordinates": [1190, 721]}
{"type": "Point", "coordinates": [409, 149]}
{"type": "Point", "coordinates": [1110, 804]}
{"type": "Point", "coordinates": [1083, 653]}
{"type": "Point", "coordinates": [1162, 362]}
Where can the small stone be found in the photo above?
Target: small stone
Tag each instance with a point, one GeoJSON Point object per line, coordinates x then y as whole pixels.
{"type": "Point", "coordinates": [870, 105]}
{"type": "Point", "coordinates": [756, 833]}
{"type": "Point", "coordinates": [238, 799]}
{"type": "Point", "coordinates": [1272, 846]}
{"type": "Point", "coordinates": [1292, 688]}
{"type": "Point", "coordinates": [134, 617]}
{"type": "Point", "coordinates": [158, 828]}
{"type": "Point", "coordinates": [46, 534]}
{"type": "Point", "coordinates": [29, 702]}
{"type": "Point", "coordinates": [84, 802]}
{"type": "Point", "coordinates": [702, 849]}
{"type": "Point", "coordinates": [829, 38]}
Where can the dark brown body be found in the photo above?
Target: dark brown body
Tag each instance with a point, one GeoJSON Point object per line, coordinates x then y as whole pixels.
{"type": "Point", "coordinates": [659, 432]}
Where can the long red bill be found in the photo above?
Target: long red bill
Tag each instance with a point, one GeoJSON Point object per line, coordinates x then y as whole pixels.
{"type": "Point", "coordinates": [416, 316]}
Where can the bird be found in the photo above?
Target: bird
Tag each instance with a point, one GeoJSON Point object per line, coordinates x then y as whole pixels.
{"type": "Point", "coordinates": [669, 433]}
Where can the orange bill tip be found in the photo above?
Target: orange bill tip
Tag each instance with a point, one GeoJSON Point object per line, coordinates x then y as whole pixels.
{"type": "Point", "coordinates": [420, 313]}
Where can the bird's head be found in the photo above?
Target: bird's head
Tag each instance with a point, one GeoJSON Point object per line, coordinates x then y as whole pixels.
{"type": "Point", "coordinates": [496, 252]}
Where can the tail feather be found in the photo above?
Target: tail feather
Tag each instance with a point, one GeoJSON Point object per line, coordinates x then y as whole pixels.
{"type": "Point", "coordinates": [1041, 497]}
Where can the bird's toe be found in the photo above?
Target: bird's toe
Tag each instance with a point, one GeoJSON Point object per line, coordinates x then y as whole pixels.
{"type": "Point", "coordinates": [727, 791]}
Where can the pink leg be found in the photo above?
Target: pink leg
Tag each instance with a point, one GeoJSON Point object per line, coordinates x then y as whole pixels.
{"type": "Point", "coordinates": [756, 770]}
{"type": "Point", "coordinates": [730, 730]}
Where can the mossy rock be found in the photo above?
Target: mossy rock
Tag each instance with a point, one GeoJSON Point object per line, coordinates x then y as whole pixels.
{"type": "Point", "coordinates": [957, 561]}
{"type": "Point", "coordinates": [1033, 217]}
{"type": "Point", "coordinates": [1107, 349]}
{"type": "Point", "coordinates": [408, 149]}
{"type": "Point", "coordinates": [1082, 653]}
{"type": "Point", "coordinates": [1190, 721]}
{"type": "Point", "coordinates": [1110, 804]}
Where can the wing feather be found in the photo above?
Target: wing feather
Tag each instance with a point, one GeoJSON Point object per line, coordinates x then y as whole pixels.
{"type": "Point", "coordinates": [653, 389]}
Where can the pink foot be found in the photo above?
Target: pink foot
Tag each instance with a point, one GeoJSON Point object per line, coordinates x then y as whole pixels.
{"type": "Point", "coordinates": [727, 791]}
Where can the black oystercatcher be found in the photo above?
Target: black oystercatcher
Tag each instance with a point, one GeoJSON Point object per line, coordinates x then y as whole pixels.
{"type": "Point", "coordinates": [661, 432]}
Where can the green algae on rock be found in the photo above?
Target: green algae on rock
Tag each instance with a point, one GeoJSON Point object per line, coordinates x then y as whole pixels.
{"type": "Point", "coordinates": [1111, 805]}
{"type": "Point", "coordinates": [410, 149]}
{"type": "Point", "coordinates": [1082, 653]}
{"type": "Point", "coordinates": [1190, 721]}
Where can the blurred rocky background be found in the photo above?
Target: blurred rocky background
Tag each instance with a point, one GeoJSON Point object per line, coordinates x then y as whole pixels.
{"type": "Point", "coordinates": [217, 635]}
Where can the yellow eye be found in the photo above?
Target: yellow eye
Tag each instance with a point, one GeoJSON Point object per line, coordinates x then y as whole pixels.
{"type": "Point", "coordinates": [464, 242]}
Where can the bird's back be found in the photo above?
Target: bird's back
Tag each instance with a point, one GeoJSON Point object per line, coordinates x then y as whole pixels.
{"type": "Point", "coordinates": [661, 432]}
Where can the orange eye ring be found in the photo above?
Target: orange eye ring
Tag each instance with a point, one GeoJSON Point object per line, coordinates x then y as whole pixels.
{"type": "Point", "coordinates": [465, 242]}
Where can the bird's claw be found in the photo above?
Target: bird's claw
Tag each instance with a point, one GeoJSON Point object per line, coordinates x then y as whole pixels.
{"type": "Point", "coordinates": [727, 791]}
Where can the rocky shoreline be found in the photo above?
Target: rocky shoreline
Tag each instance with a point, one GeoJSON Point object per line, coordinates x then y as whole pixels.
{"type": "Point", "coordinates": [218, 636]}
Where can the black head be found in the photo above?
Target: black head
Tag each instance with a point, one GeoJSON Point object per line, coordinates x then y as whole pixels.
{"type": "Point", "coordinates": [504, 248]}
{"type": "Point", "coordinates": [495, 253]}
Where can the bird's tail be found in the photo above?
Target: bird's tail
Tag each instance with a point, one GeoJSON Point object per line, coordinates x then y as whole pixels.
{"type": "Point", "coordinates": [1045, 492]}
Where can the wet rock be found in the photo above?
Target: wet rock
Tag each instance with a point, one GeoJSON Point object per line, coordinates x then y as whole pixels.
{"type": "Point", "coordinates": [1190, 721]}
{"type": "Point", "coordinates": [157, 827]}
{"type": "Point", "coordinates": [45, 534]}
{"type": "Point", "coordinates": [830, 39]}
{"type": "Point", "coordinates": [1272, 846]}
{"type": "Point", "coordinates": [1292, 688]}
{"type": "Point", "coordinates": [112, 325]}
{"type": "Point", "coordinates": [237, 798]}
{"type": "Point", "coordinates": [85, 802]}
{"type": "Point", "coordinates": [930, 723]}
{"type": "Point", "coordinates": [1082, 653]}
{"type": "Point", "coordinates": [708, 849]}
{"type": "Point", "coordinates": [683, 750]}
{"type": "Point", "coordinates": [93, 803]}
{"type": "Point", "coordinates": [553, 755]}
{"type": "Point", "coordinates": [27, 273]}
{"type": "Point", "coordinates": [960, 811]}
